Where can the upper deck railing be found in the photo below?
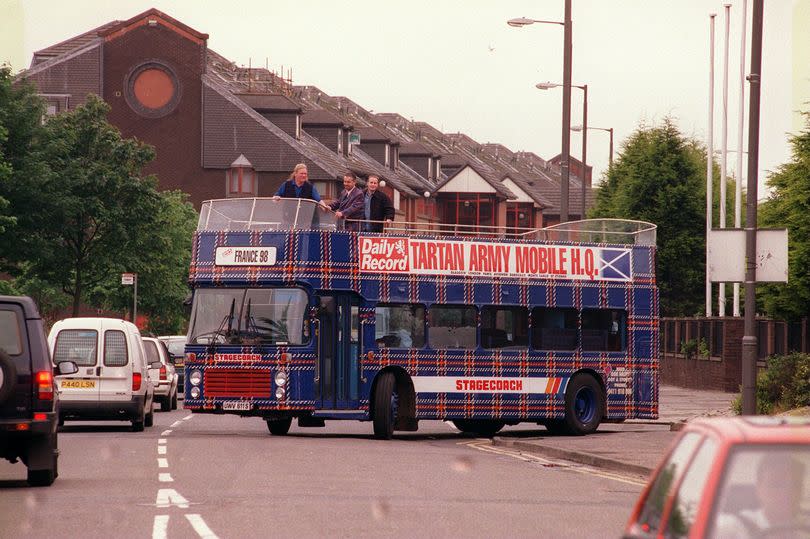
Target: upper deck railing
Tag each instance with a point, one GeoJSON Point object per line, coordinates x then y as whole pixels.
{"type": "Point", "coordinates": [304, 214]}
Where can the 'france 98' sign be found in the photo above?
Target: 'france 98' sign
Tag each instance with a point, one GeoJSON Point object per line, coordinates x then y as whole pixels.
{"type": "Point", "coordinates": [462, 258]}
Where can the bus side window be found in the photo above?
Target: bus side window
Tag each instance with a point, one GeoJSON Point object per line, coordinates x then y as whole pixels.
{"type": "Point", "coordinates": [399, 325]}
{"type": "Point", "coordinates": [604, 330]}
{"type": "Point", "coordinates": [502, 327]}
{"type": "Point", "coordinates": [452, 326]}
{"type": "Point", "coordinates": [554, 328]}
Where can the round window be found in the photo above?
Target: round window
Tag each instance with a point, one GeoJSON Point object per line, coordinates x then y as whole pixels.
{"type": "Point", "coordinates": [152, 89]}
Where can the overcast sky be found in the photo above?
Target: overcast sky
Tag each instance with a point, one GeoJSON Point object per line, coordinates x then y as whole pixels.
{"type": "Point", "coordinates": [457, 65]}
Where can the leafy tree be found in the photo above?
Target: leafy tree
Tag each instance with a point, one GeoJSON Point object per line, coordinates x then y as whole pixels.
{"type": "Point", "coordinates": [788, 206]}
{"type": "Point", "coordinates": [660, 178]}
{"type": "Point", "coordinates": [162, 268]}
{"type": "Point", "coordinates": [20, 113]}
{"type": "Point", "coordinates": [82, 208]}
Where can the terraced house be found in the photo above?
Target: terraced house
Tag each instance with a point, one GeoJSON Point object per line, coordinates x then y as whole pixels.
{"type": "Point", "coordinates": [221, 130]}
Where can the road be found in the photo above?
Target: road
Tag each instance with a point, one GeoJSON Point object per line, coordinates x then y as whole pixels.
{"type": "Point", "coordinates": [193, 476]}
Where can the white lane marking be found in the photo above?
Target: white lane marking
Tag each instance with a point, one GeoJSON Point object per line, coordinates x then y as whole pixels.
{"type": "Point", "coordinates": [160, 527]}
{"type": "Point", "coordinates": [163, 463]}
{"type": "Point", "coordinates": [165, 478]}
{"type": "Point", "coordinates": [189, 416]}
{"type": "Point", "coordinates": [167, 497]}
{"type": "Point", "coordinates": [486, 446]}
{"type": "Point", "coordinates": [161, 440]}
{"type": "Point", "coordinates": [166, 432]}
{"type": "Point", "coordinates": [175, 423]}
{"type": "Point", "coordinates": [161, 450]}
{"type": "Point", "coordinates": [201, 527]}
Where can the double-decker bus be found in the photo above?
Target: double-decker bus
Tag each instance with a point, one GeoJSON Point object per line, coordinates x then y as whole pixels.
{"type": "Point", "coordinates": [295, 318]}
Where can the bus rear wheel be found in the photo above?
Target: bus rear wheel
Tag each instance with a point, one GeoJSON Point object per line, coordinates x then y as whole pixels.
{"type": "Point", "coordinates": [386, 402]}
{"type": "Point", "coordinates": [481, 427]}
{"type": "Point", "coordinates": [584, 406]}
{"type": "Point", "coordinates": [279, 427]}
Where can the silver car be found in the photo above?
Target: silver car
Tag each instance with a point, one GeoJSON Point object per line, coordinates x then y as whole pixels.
{"type": "Point", "coordinates": [162, 373]}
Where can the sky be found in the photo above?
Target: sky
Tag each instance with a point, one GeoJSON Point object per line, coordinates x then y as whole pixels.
{"type": "Point", "coordinates": [458, 66]}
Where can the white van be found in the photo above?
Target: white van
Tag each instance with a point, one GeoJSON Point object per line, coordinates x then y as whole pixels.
{"type": "Point", "coordinates": [113, 379]}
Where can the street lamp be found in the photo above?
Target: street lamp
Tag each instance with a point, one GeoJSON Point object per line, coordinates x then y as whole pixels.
{"type": "Point", "coordinates": [584, 88]}
{"type": "Point", "coordinates": [566, 112]}
{"type": "Point", "coordinates": [608, 129]}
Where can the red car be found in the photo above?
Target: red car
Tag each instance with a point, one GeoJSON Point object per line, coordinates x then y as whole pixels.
{"type": "Point", "coordinates": [730, 478]}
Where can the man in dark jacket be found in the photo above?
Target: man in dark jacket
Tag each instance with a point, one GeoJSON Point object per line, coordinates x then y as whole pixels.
{"type": "Point", "coordinates": [298, 186]}
{"type": "Point", "coordinates": [377, 206]}
{"type": "Point", "coordinates": [349, 204]}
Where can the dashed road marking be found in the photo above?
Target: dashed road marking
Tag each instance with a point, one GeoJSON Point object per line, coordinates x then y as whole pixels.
{"type": "Point", "coordinates": [163, 463]}
{"type": "Point", "coordinates": [165, 478]}
{"type": "Point", "coordinates": [160, 527]}
{"type": "Point", "coordinates": [167, 497]}
{"type": "Point", "coordinates": [161, 450]}
{"type": "Point", "coordinates": [166, 432]}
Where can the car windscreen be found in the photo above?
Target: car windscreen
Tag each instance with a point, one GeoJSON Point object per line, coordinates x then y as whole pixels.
{"type": "Point", "coordinates": [249, 316]}
{"type": "Point", "coordinates": [152, 353]}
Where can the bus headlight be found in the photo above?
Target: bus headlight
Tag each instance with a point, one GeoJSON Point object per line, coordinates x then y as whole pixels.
{"type": "Point", "coordinates": [279, 392]}
{"type": "Point", "coordinates": [195, 392]}
{"type": "Point", "coordinates": [195, 377]}
{"type": "Point", "coordinates": [281, 378]}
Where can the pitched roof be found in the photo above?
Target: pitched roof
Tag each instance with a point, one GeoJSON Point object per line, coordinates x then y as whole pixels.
{"type": "Point", "coordinates": [70, 45]}
{"type": "Point", "coordinates": [269, 102]}
{"type": "Point", "coordinates": [153, 17]}
{"type": "Point", "coordinates": [321, 117]}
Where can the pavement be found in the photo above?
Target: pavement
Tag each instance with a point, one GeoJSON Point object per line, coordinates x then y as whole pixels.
{"type": "Point", "coordinates": [633, 447]}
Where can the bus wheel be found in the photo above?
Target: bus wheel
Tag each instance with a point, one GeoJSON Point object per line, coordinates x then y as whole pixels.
{"type": "Point", "coordinates": [481, 427]}
{"type": "Point", "coordinates": [279, 427]}
{"type": "Point", "coordinates": [584, 405]}
{"type": "Point", "coordinates": [386, 402]}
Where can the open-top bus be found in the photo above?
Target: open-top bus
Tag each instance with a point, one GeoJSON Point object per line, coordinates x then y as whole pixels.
{"type": "Point", "coordinates": [294, 317]}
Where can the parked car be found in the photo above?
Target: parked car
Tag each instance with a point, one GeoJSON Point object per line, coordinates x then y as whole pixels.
{"type": "Point", "coordinates": [730, 478]}
{"type": "Point", "coordinates": [176, 344]}
{"type": "Point", "coordinates": [113, 378]}
{"type": "Point", "coordinates": [162, 373]}
{"type": "Point", "coordinates": [28, 400]}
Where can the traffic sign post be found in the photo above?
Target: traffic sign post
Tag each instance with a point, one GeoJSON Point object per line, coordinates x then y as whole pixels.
{"type": "Point", "coordinates": [132, 279]}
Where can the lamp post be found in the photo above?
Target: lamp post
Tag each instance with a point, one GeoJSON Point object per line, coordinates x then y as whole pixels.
{"type": "Point", "coordinates": [608, 129]}
{"type": "Point", "coordinates": [566, 112]}
{"type": "Point", "coordinates": [584, 88]}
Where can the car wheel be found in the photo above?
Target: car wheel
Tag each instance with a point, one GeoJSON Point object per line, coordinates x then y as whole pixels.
{"type": "Point", "coordinates": [8, 376]}
{"type": "Point", "coordinates": [166, 405]}
{"type": "Point", "coordinates": [386, 402]}
{"type": "Point", "coordinates": [174, 400]}
{"type": "Point", "coordinates": [584, 405]}
{"type": "Point", "coordinates": [45, 477]}
{"type": "Point", "coordinates": [138, 424]}
{"type": "Point", "coordinates": [279, 427]}
{"type": "Point", "coordinates": [481, 427]}
{"type": "Point", "coordinates": [149, 420]}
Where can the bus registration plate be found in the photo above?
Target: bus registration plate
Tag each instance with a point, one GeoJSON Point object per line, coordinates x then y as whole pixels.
{"type": "Point", "coordinates": [236, 405]}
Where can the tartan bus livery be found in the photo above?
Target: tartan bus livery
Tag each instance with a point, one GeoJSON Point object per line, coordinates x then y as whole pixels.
{"type": "Point", "coordinates": [293, 317]}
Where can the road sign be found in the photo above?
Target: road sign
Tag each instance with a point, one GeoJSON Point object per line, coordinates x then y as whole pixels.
{"type": "Point", "coordinates": [128, 278]}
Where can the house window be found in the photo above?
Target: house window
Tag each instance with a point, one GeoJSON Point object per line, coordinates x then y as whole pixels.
{"type": "Point", "coordinates": [241, 181]}
{"type": "Point", "coordinates": [298, 126]}
{"type": "Point", "coordinates": [340, 141]}
{"type": "Point", "coordinates": [430, 169]}
{"type": "Point", "coordinates": [323, 189]}
{"type": "Point", "coordinates": [152, 89]}
{"type": "Point", "coordinates": [519, 216]}
{"type": "Point", "coordinates": [396, 200]}
{"type": "Point", "coordinates": [387, 155]}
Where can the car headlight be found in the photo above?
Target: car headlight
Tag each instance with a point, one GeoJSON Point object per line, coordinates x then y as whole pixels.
{"type": "Point", "coordinates": [195, 377]}
{"type": "Point", "coordinates": [279, 392]}
{"type": "Point", "coordinates": [195, 392]}
{"type": "Point", "coordinates": [281, 378]}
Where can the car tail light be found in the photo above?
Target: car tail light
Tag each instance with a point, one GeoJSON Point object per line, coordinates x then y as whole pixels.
{"type": "Point", "coordinates": [44, 383]}
{"type": "Point", "coordinates": [136, 381]}
{"type": "Point", "coordinates": [40, 417]}
{"type": "Point", "coordinates": [163, 372]}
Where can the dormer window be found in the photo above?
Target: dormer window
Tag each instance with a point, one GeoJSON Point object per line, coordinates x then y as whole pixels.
{"type": "Point", "coordinates": [241, 179]}
{"type": "Point", "coordinates": [297, 126]}
{"type": "Point", "coordinates": [387, 155]}
{"type": "Point", "coordinates": [340, 141]}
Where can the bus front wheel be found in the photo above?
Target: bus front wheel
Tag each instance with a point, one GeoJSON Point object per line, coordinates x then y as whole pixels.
{"type": "Point", "coordinates": [386, 401]}
{"type": "Point", "coordinates": [279, 427]}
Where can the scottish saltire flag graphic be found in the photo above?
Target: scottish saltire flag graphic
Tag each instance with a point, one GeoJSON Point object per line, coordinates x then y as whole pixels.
{"type": "Point", "coordinates": [615, 264]}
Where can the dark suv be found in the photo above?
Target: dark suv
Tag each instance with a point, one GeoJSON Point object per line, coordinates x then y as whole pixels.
{"type": "Point", "coordinates": [28, 403]}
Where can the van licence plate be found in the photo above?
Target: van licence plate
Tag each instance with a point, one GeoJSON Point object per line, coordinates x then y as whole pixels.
{"type": "Point", "coordinates": [79, 384]}
{"type": "Point", "coordinates": [236, 405]}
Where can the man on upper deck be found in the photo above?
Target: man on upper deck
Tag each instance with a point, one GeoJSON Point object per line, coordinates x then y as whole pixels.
{"type": "Point", "coordinates": [349, 204]}
{"type": "Point", "coordinates": [298, 186]}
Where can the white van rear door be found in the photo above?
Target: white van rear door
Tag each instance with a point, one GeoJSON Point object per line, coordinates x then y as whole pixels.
{"type": "Point", "coordinates": [81, 347]}
{"type": "Point", "coordinates": [115, 376]}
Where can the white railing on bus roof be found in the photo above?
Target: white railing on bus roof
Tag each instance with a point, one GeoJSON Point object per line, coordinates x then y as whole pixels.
{"type": "Point", "coordinates": [304, 214]}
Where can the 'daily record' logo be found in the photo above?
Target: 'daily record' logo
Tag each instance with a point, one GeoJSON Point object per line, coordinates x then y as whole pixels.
{"type": "Point", "coordinates": [388, 255]}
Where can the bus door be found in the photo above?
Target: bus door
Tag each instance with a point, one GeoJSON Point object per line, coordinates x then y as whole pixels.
{"type": "Point", "coordinates": [338, 367]}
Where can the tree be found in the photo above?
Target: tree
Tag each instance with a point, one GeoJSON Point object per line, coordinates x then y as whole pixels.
{"type": "Point", "coordinates": [82, 207]}
{"type": "Point", "coordinates": [660, 177]}
{"type": "Point", "coordinates": [162, 268]}
{"type": "Point", "coordinates": [788, 206]}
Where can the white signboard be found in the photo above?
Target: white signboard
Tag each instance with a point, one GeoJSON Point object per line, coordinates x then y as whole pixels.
{"type": "Point", "coordinates": [726, 249]}
{"type": "Point", "coordinates": [245, 256]}
{"type": "Point", "coordinates": [127, 278]}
